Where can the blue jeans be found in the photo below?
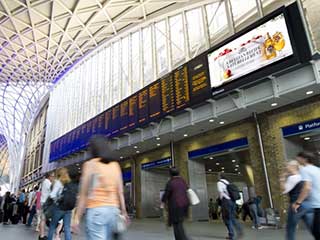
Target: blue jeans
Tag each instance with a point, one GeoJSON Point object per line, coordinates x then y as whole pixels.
{"type": "Point", "coordinates": [31, 215]}
{"type": "Point", "coordinates": [254, 213]}
{"type": "Point", "coordinates": [293, 219]}
{"type": "Point", "coordinates": [57, 216]}
{"type": "Point", "coordinates": [101, 222]}
{"type": "Point", "coordinates": [229, 218]}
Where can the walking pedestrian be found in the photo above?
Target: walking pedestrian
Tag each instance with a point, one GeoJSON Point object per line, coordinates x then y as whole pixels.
{"type": "Point", "coordinates": [101, 192]}
{"type": "Point", "coordinates": [228, 208]}
{"type": "Point", "coordinates": [7, 206]}
{"type": "Point", "coordinates": [176, 199]}
{"type": "Point", "coordinates": [45, 192]}
{"type": "Point", "coordinates": [310, 193]}
{"type": "Point", "coordinates": [32, 205]}
{"type": "Point", "coordinates": [253, 208]}
{"type": "Point", "coordinates": [21, 204]}
{"type": "Point", "coordinates": [62, 183]}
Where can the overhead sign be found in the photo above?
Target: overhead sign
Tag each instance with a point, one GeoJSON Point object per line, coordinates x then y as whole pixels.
{"type": "Point", "coordinates": [260, 47]}
{"type": "Point", "coordinates": [301, 127]}
{"type": "Point", "coordinates": [158, 163]}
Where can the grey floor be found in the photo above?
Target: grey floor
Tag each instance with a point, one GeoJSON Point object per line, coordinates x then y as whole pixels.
{"type": "Point", "coordinates": [155, 230]}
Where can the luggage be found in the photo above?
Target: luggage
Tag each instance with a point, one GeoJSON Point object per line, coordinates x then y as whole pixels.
{"type": "Point", "coordinates": [14, 219]}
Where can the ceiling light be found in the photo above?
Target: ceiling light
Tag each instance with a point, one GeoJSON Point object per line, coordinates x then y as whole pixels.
{"type": "Point", "coordinates": [217, 164]}
{"type": "Point", "coordinates": [158, 139]}
{"type": "Point", "coordinates": [274, 104]}
{"type": "Point", "coordinates": [309, 92]}
{"type": "Point", "coordinates": [307, 138]}
{"type": "Point", "coordinates": [121, 157]}
{"type": "Point", "coordinates": [135, 147]}
{"type": "Point", "coordinates": [236, 169]}
{"type": "Point", "coordinates": [222, 168]}
{"type": "Point", "coordinates": [158, 144]}
{"type": "Point", "coordinates": [222, 171]}
{"type": "Point", "coordinates": [77, 164]}
{"type": "Point", "coordinates": [211, 120]}
{"type": "Point", "coordinates": [233, 160]}
{"type": "Point", "coordinates": [239, 173]}
{"type": "Point", "coordinates": [137, 151]}
{"type": "Point", "coordinates": [211, 158]}
{"type": "Point", "coordinates": [222, 122]}
{"type": "Point", "coordinates": [210, 170]}
{"type": "Point", "coordinates": [237, 165]}
{"type": "Point", "coordinates": [185, 135]}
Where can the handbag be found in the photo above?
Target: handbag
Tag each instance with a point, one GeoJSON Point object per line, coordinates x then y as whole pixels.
{"type": "Point", "coordinates": [193, 197]}
{"type": "Point", "coordinates": [121, 224]}
{"type": "Point", "coordinates": [48, 208]}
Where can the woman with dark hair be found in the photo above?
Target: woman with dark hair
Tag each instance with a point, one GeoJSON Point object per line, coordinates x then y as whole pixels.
{"type": "Point", "coordinates": [101, 192]}
{"type": "Point", "coordinates": [177, 201]}
{"type": "Point", "coordinates": [7, 207]}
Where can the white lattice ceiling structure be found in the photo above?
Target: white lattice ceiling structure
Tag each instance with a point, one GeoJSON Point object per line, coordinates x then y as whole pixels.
{"type": "Point", "coordinates": [40, 40]}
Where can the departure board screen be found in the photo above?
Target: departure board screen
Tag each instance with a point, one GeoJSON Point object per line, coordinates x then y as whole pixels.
{"type": "Point", "coordinates": [154, 100]}
{"type": "Point", "coordinates": [124, 112]}
{"type": "Point", "coordinates": [181, 86]}
{"type": "Point", "coordinates": [107, 122]}
{"type": "Point", "coordinates": [143, 106]}
{"type": "Point", "coordinates": [167, 94]}
{"type": "Point", "coordinates": [115, 126]}
{"type": "Point", "coordinates": [199, 81]}
{"type": "Point", "coordinates": [133, 111]}
{"type": "Point", "coordinates": [101, 123]}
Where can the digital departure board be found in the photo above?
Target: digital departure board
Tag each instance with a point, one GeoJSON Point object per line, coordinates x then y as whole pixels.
{"type": "Point", "coordinates": [107, 122]}
{"type": "Point", "coordinates": [167, 94]}
{"type": "Point", "coordinates": [115, 126]}
{"type": "Point", "coordinates": [124, 113]}
{"type": "Point", "coordinates": [181, 86]}
{"type": "Point", "coordinates": [155, 100]}
{"type": "Point", "coordinates": [199, 82]}
{"type": "Point", "coordinates": [143, 106]}
{"type": "Point", "coordinates": [133, 111]}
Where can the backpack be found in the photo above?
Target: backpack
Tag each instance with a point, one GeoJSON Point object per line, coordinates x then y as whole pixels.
{"type": "Point", "coordinates": [68, 197]}
{"type": "Point", "coordinates": [233, 191]}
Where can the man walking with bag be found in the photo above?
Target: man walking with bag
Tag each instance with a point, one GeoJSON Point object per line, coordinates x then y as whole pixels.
{"type": "Point", "coordinates": [228, 194]}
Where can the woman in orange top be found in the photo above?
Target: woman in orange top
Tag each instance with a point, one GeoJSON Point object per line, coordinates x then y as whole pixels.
{"type": "Point", "coordinates": [101, 192]}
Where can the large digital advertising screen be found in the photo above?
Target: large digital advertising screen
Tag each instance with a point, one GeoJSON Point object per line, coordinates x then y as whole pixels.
{"type": "Point", "coordinates": [260, 47]}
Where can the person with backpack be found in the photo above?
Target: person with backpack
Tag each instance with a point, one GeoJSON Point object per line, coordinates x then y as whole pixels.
{"type": "Point", "coordinates": [229, 194]}
{"type": "Point", "coordinates": [64, 195]}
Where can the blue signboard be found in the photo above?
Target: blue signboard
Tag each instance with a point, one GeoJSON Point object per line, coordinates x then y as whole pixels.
{"type": "Point", "coordinates": [127, 176]}
{"type": "Point", "coordinates": [222, 147]}
{"type": "Point", "coordinates": [301, 127]}
{"type": "Point", "coordinates": [157, 163]}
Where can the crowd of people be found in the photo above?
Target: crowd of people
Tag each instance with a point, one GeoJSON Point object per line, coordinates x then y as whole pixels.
{"type": "Point", "coordinates": [61, 201]}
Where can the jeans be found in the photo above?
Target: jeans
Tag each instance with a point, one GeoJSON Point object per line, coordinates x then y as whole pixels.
{"type": "Point", "coordinates": [179, 233]}
{"type": "Point", "coordinates": [57, 216]}
{"type": "Point", "coordinates": [316, 224]}
{"type": "Point", "coordinates": [293, 219]}
{"type": "Point", "coordinates": [254, 213]}
{"type": "Point", "coordinates": [229, 218]}
{"type": "Point", "coordinates": [31, 215]}
{"type": "Point", "coordinates": [101, 222]}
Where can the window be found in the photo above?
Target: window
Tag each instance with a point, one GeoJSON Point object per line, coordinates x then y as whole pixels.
{"type": "Point", "coordinates": [161, 48]}
{"type": "Point", "coordinates": [195, 31]}
{"type": "Point", "coordinates": [244, 12]}
{"type": "Point", "coordinates": [177, 40]}
{"type": "Point", "coordinates": [126, 84]}
{"type": "Point", "coordinates": [147, 56]}
{"type": "Point", "coordinates": [135, 61]}
{"type": "Point", "coordinates": [217, 21]}
{"type": "Point", "coordinates": [107, 85]}
{"type": "Point", "coordinates": [115, 80]}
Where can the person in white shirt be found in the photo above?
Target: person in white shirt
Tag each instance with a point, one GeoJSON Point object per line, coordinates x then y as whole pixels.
{"type": "Point", "coordinates": [228, 208]}
{"type": "Point", "coordinates": [45, 192]}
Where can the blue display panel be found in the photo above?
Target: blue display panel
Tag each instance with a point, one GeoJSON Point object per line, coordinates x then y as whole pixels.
{"type": "Point", "coordinates": [124, 115]}
{"type": "Point", "coordinates": [158, 163]}
{"type": "Point", "coordinates": [301, 127]}
{"type": "Point", "coordinates": [143, 113]}
{"type": "Point", "coordinates": [154, 100]}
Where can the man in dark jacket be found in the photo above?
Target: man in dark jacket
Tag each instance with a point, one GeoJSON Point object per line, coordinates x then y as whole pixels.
{"type": "Point", "coordinates": [176, 198]}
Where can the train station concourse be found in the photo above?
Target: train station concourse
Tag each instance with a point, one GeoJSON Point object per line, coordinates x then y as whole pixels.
{"type": "Point", "coordinates": [159, 119]}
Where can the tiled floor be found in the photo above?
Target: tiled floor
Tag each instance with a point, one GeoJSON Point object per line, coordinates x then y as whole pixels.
{"type": "Point", "coordinates": [155, 230]}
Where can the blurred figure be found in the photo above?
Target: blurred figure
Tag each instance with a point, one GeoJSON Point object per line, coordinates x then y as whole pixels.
{"type": "Point", "coordinates": [101, 192]}
{"type": "Point", "coordinates": [63, 180]}
{"type": "Point", "coordinates": [7, 207]}
{"type": "Point", "coordinates": [45, 192]}
{"type": "Point", "coordinates": [310, 193]}
{"type": "Point", "coordinates": [228, 208]}
{"type": "Point", "coordinates": [292, 184]}
{"type": "Point", "coordinates": [33, 205]}
{"type": "Point", "coordinates": [177, 201]}
{"type": "Point", "coordinates": [253, 209]}
{"type": "Point", "coordinates": [21, 203]}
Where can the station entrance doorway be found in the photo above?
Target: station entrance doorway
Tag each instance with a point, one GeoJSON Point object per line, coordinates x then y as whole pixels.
{"type": "Point", "coordinates": [154, 177]}
{"type": "Point", "coordinates": [231, 158]}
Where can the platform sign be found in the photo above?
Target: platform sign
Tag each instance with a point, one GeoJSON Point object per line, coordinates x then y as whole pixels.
{"type": "Point", "coordinates": [158, 163]}
{"type": "Point", "coordinates": [266, 44]}
{"type": "Point", "coordinates": [124, 115]}
{"type": "Point", "coordinates": [154, 100]}
{"type": "Point", "coordinates": [167, 94]}
{"type": "Point", "coordinates": [133, 111]}
{"type": "Point", "coordinates": [143, 113]}
{"type": "Point", "coordinates": [107, 122]}
{"type": "Point", "coordinates": [115, 119]}
{"type": "Point", "coordinates": [181, 86]}
{"type": "Point", "coordinates": [199, 80]}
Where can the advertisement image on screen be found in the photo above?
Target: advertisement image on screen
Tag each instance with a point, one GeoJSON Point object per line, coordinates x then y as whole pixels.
{"type": "Point", "coordinates": [262, 46]}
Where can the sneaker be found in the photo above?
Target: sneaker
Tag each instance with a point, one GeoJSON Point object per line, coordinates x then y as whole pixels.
{"type": "Point", "coordinates": [259, 227]}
